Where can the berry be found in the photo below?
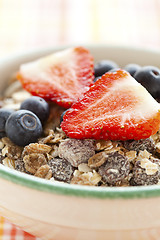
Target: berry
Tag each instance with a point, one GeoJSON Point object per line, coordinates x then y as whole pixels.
{"type": "Point", "coordinates": [149, 77]}
{"type": "Point", "coordinates": [114, 70]}
{"type": "Point", "coordinates": [114, 108]}
{"type": "Point", "coordinates": [96, 78]}
{"type": "Point", "coordinates": [60, 77]}
{"type": "Point", "coordinates": [4, 115]}
{"type": "Point", "coordinates": [132, 68]}
{"type": "Point", "coordinates": [38, 106]}
{"type": "Point", "coordinates": [23, 127]}
{"type": "Point", "coordinates": [104, 66]}
{"type": "Point", "coordinates": [61, 118]}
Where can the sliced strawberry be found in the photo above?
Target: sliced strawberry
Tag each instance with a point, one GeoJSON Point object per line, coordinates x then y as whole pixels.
{"type": "Point", "coordinates": [60, 77]}
{"type": "Point", "coordinates": [116, 107]}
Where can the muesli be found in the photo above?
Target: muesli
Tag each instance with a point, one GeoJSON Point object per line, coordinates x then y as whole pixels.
{"type": "Point", "coordinates": [67, 149]}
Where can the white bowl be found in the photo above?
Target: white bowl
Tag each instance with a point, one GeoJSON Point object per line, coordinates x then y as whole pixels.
{"type": "Point", "coordinates": [66, 212]}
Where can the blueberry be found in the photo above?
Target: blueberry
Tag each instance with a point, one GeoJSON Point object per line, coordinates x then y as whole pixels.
{"type": "Point", "coordinates": [62, 115]}
{"type": "Point", "coordinates": [96, 78]}
{"type": "Point", "coordinates": [104, 66]}
{"type": "Point", "coordinates": [114, 70]}
{"type": "Point", "coordinates": [38, 106]}
{"type": "Point", "coordinates": [149, 77]}
{"type": "Point", "coordinates": [4, 115]}
{"type": "Point", "coordinates": [23, 127]}
{"type": "Point", "coordinates": [132, 68]}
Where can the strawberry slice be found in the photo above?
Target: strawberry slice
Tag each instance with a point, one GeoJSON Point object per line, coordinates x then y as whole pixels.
{"type": "Point", "coordinates": [116, 107]}
{"type": "Point", "coordinates": [60, 77]}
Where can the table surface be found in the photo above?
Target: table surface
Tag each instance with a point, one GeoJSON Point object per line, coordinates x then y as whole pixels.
{"type": "Point", "coordinates": [27, 25]}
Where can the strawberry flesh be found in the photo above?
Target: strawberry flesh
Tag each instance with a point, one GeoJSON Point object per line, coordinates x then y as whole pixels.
{"type": "Point", "coordinates": [116, 107]}
{"type": "Point", "coordinates": [60, 77]}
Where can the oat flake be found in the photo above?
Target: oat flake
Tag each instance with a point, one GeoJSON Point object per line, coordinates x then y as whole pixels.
{"type": "Point", "coordinates": [151, 168]}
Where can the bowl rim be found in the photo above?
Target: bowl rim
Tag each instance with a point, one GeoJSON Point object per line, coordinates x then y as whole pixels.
{"type": "Point", "coordinates": [55, 187]}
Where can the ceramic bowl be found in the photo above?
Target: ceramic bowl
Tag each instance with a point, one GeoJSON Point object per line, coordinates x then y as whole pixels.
{"type": "Point", "coordinates": [61, 211]}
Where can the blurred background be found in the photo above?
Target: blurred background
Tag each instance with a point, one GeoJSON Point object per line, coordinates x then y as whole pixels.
{"type": "Point", "coordinates": [31, 24]}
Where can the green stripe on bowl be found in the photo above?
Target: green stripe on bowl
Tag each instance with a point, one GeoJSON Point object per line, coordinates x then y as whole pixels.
{"type": "Point", "coordinates": [78, 190]}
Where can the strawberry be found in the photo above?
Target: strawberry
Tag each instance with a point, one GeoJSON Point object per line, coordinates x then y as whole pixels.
{"type": "Point", "coordinates": [116, 107]}
{"type": "Point", "coordinates": [60, 77]}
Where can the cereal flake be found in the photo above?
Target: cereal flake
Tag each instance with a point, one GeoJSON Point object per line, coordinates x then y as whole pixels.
{"type": "Point", "coordinates": [34, 161]}
{"type": "Point", "coordinates": [44, 172]}
{"type": "Point", "coordinates": [87, 178]}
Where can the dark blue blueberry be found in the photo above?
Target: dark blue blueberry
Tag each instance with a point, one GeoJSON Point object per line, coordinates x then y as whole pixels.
{"type": "Point", "coordinates": [114, 70]}
{"type": "Point", "coordinates": [38, 106]}
{"type": "Point", "coordinates": [23, 127]}
{"type": "Point", "coordinates": [62, 115]}
{"type": "Point", "coordinates": [4, 115]}
{"type": "Point", "coordinates": [96, 78]}
{"type": "Point", "coordinates": [149, 77]}
{"type": "Point", "coordinates": [132, 68]}
{"type": "Point", "coordinates": [104, 66]}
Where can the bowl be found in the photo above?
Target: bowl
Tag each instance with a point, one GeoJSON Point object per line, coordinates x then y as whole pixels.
{"type": "Point", "coordinates": [52, 210]}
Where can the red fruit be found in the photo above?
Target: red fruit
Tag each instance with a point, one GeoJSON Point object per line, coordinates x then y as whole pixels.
{"type": "Point", "coordinates": [60, 77]}
{"type": "Point", "coordinates": [116, 107]}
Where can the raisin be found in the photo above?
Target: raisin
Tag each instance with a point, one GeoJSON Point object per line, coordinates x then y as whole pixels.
{"type": "Point", "coordinates": [141, 178]}
{"type": "Point", "coordinates": [142, 144]}
{"type": "Point", "coordinates": [62, 170]}
{"type": "Point", "coordinates": [115, 169]}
